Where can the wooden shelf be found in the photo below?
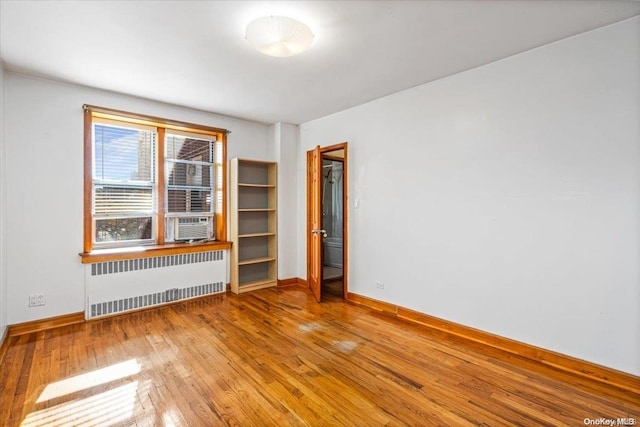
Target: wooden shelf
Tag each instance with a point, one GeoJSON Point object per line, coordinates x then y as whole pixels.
{"type": "Point", "coordinates": [253, 215]}
{"type": "Point", "coordinates": [241, 236]}
{"type": "Point", "coordinates": [255, 285]}
{"type": "Point", "coordinates": [256, 260]}
{"type": "Point", "coordinates": [257, 185]}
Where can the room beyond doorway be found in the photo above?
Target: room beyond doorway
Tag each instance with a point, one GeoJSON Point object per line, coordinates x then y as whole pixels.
{"type": "Point", "coordinates": [327, 205]}
{"type": "Point", "coordinates": [332, 205]}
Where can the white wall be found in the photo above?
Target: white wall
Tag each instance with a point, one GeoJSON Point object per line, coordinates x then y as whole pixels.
{"type": "Point", "coordinates": [44, 171]}
{"type": "Point", "coordinates": [283, 149]}
{"type": "Point", "coordinates": [3, 288]}
{"type": "Point", "coordinates": [505, 198]}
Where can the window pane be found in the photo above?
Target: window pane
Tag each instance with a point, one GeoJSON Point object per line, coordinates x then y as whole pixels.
{"type": "Point", "coordinates": [189, 174]}
{"type": "Point", "coordinates": [183, 148]}
{"type": "Point", "coordinates": [114, 199]}
{"type": "Point", "coordinates": [123, 229]}
{"type": "Point", "coordinates": [189, 200]}
{"type": "Point", "coordinates": [123, 154]}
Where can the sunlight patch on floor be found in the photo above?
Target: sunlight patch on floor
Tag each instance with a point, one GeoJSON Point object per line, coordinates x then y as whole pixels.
{"type": "Point", "coordinates": [168, 418]}
{"type": "Point", "coordinates": [88, 380]}
{"type": "Point", "coordinates": [103, 409]}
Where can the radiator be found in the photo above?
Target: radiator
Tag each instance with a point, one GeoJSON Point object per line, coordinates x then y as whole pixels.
{"type": "Point", "coordinates": [120, 286]}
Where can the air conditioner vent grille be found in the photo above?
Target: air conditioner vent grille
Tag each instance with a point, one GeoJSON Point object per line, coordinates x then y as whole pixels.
{"type": "Point", "coordinates": [189, 228]}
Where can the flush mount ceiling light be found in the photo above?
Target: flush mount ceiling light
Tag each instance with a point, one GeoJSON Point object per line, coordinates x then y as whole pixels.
{"type": "Point", "coordinates": [279, 36]}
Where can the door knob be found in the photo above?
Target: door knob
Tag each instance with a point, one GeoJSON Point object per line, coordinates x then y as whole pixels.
{"type": "Point", "coordinates": [319, 231]}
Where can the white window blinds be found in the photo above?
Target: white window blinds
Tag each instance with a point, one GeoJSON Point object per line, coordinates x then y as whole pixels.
{"type": "Point", "coordinates": [189, 172]}
{"type": "Point", "coordinates": [123, 183]}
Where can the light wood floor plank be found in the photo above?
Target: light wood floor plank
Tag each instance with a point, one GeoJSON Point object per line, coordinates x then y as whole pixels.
{"type": "Point", "coordinates": [275, 357]}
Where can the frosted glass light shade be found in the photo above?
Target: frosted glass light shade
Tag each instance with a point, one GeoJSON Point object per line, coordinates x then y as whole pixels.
{"type": "Point", "coordinates": [279, 36]}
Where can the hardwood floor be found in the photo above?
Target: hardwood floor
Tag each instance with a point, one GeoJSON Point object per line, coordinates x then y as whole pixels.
{"type": "Point", "coordinates": [332, 288]}
{"type": "Point", "coordinates": [275, 357]}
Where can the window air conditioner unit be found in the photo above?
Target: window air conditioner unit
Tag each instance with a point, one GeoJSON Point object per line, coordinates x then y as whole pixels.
{"type": "Point", "coordinates": [192, 228]}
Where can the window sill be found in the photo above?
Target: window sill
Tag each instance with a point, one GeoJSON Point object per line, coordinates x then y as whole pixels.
{"type": "Point", "coordinates": [118, 254]}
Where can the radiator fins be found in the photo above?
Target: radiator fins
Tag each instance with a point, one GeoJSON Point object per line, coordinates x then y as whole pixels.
{"type": "Point", "coordinates": [141, 301]}
{"type": "Point", "coordinates": [127, 265]}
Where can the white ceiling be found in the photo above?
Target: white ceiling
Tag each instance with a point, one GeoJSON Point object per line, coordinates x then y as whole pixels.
{"type": "Point", "coordinates": [193, 53]}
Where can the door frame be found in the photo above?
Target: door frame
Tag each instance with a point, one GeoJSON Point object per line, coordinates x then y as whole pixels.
{"type": "Point", "coordinates": [345, 216]}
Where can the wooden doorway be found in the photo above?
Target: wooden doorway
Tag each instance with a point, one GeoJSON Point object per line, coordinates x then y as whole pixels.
{"type": "Point", "coordinates": [320, 245]}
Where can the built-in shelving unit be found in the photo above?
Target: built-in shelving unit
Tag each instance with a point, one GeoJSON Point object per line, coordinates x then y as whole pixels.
{"type": "Point", "coordinates": [253, 201]}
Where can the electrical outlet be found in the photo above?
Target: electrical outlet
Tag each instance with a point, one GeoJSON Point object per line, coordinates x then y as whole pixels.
{"type": "Point", "coordinates": [36, 300]}
{"type": "Point", "coordinates": [379, 285]}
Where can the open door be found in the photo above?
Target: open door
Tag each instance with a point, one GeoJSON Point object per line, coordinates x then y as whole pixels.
{"type": "Point", "coordinates": [335, 254]}
{"type": "Point", "coordinates": [315, 233]}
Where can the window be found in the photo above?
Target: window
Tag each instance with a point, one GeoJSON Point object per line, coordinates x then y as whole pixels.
{"type": "Point", "coordinates": [124, 177]}
{"type": "Point", "coordinates": [151, 181]}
